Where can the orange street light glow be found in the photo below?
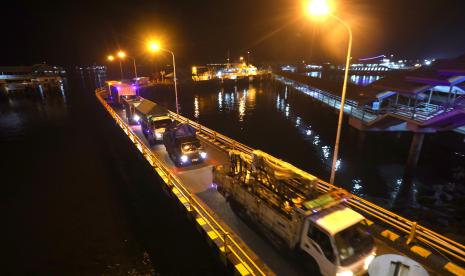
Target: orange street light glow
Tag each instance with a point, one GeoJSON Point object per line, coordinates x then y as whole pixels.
{"type": "Point", "coordinates": [153, 46]}
{"type": "Point", "coordinates": [111, 58]}
{"type": "Point", "coordinates": [318, 8]}
{"type": "Point", "coordinates": [121, 54]}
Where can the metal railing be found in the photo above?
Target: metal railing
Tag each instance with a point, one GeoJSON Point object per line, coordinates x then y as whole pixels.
{"type": "Point", "coordinates": [232, 248]}
{"type": "Point", "coordinates": [434, 240]}
{"type": "Point", "coordinates": [420, 113]}
{"type": "Point", "coordinates": [215, 136]}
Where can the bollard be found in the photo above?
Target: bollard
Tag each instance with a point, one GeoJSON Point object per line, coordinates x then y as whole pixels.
{"type": "Point", "coordinates": [225, 243]}
{"type": "Point", "coordinates": [411, 236]}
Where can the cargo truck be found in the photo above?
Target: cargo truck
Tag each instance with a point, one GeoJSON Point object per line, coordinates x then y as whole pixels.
{"type": "Point", "coordinates": [119, 89]}
{"type": "Point", "coordinates": [153, 119]}
{"type": "Point", "coordinates": [129, 104]}
{"type": "Point", "coordinates": [182, 145]}
{"type": "Point", "coordinates": [286, 205]}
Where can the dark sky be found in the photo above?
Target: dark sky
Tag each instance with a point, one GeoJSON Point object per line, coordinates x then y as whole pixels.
{"type": "Point", "coordinates": [84, 32]}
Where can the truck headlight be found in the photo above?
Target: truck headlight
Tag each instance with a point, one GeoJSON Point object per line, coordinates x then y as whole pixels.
{"type": "Point", "coordinates": [136, 118]}
{"type": "Point", "coordinates": [158, 135]}
{"type": "Point", "coordinates": [203, 154]}
{"type": "Point", "coordinates": [184, 158]}
{"type": "Point", "coordinates": [368, 261]}
{"type": "Point", "coordinates": [345, 273]}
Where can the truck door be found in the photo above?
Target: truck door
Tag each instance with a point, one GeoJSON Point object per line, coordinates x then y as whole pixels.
{"type": "Point", "coordinates": [318, 245]}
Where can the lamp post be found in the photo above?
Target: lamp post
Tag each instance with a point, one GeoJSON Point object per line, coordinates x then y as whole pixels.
{"type": "Point", "coordinates": [112, 58]}
{"type": "Point", "coordinates": [122, 55]}
{"type": "Point", "coordinates": [155, 47]}
{"type": "Point", "coordinates": [319, 8]}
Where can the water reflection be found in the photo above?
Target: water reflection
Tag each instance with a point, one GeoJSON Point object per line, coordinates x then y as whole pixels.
{"type": "Point", "coordinates": [25, 108]}
{"type": "Point", "coordinates": [196, 107]}
{"type": "Point", "coordinates": [220, 101]}
{"type": "Point", "coordinates": [314, 74]}
{"type": "Point", "coordinates": [241, 101]}
{"type": "Point", "coordinates": [305, 129]}
{"type": "Point", "coordinates": [357, 187]}
{"type": "Point", "coordinates": [241, 108]}
{"type": "Point", "coordinates": [362, 80]}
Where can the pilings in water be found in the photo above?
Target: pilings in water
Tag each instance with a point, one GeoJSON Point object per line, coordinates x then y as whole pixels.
{"type": "Point", "coordinates": [414, 154]}
{"type": "Point", "coordinates": [407, 191]}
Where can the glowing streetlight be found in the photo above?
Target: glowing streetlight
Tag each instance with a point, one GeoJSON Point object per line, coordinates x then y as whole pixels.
{"type": "Point", "coordinates": [121, 54]}
{"type": "Point", "coordinates": [320, 8]}
{"type": "Point", "coordinates": [154, 47]}
{"type": "Point", "coordinates": [112, 58]}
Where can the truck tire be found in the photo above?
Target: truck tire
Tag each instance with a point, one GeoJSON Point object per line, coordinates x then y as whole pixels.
{"type": "Point", "coordinates": [176, 161]}
{"type": "Point", "coordinates": [151, 142]}
{"type": "Point", "coordinates": [238, 209]}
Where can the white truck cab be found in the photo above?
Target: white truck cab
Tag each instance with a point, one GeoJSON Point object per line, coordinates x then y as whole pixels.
{"type": "Point", "coordinates": [337, 241]}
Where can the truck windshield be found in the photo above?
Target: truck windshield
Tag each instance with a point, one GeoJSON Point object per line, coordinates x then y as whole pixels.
{"type": "Point", "coordinates": [353, 243]}
{"type": "Point", "coordinates": [190, 146]}
{"type": "Point", "coordinates": [162, 123]}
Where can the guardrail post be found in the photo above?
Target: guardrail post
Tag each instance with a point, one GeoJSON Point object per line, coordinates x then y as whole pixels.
{"type": "Point", "coordinates": [411, 236]}
{"type": "Point", "coordinates": [225, 243]}
{"type": "Point", "coordinates": [214, 136]}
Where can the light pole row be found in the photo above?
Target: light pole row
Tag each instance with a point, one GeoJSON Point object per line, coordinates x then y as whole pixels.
{"type": "Point", "coordinates": [315, 8]}
{"type": "Point", "coordinates": [153, 47]}
{"type": "Point", "coordinates": [121, 56]}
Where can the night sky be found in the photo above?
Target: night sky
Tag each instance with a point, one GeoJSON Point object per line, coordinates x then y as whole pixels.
{"type": "Point", "coordinates": [84, 32]}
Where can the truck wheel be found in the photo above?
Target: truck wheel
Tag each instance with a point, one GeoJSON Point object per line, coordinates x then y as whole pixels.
{"type": "Point", "coordinates": [151, 141]}
{"type": "Point", "coordinates": [176, 161]}
{"type": "Point", "coordinates": [237, 209]}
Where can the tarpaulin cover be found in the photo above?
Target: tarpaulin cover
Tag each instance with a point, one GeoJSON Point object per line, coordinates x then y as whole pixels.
{"type": "Point", "coordinates": [183, 130]}
{"type": "Point", "coordinates": [147, 107]}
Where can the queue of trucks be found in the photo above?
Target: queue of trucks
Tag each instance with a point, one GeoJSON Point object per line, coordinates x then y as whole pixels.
{"type": "Point", "coordinates": [180, 140]}
{"type": "Point", "coordinates": [283, 202]}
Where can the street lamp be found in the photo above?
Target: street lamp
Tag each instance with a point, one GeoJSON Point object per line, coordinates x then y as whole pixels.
{"type": "Point", "coordinates": [112, 58]}
{"type": "Point", "coordinates": [154, 47]}
{"type": "Point", "coordinates": [122, 55]}
{"type": "Point", "coordinates": [321, 8]}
